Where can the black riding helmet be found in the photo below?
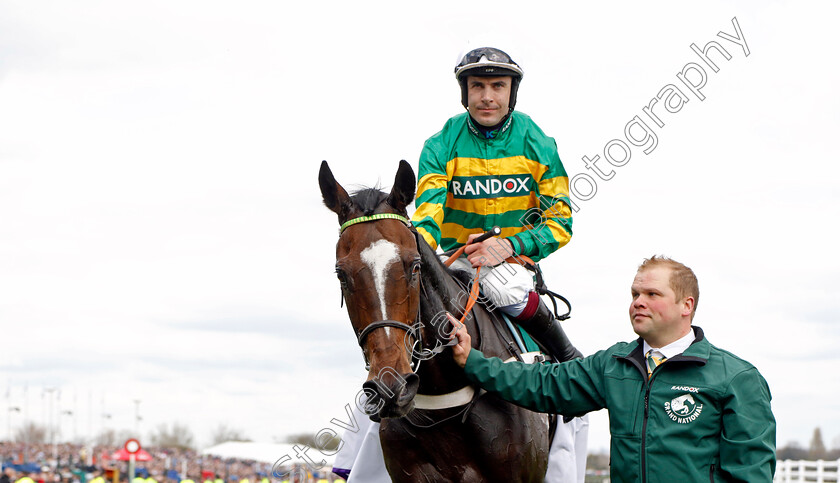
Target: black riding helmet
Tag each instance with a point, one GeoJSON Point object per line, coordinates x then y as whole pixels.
{"type": "Point", "coordinates": [488, 62]}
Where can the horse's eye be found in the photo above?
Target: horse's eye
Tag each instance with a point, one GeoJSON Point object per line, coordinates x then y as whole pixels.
{"type": "Point", "coordinates": [342, 277]}
{"type": "Point", "coordinates": [415, 267]}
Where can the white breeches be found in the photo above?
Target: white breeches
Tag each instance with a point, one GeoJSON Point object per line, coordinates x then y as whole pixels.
{"type": "Point", "coordinates": [506, 285]}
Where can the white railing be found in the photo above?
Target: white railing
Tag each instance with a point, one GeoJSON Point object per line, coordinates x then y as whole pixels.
{"type": "Point", "coordinates": [794, 471]}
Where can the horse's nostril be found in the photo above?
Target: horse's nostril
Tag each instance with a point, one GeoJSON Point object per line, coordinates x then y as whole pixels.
{"type": "Point", "coordinates": [374, 401]}
{"type": "Point", "coordinates": [412, 383]}
{"type": "Point", "coordinates": [391, 400]}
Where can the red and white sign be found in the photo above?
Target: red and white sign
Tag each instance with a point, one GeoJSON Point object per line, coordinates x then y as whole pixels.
{"type": "Point", "coordinates": [132, 446]}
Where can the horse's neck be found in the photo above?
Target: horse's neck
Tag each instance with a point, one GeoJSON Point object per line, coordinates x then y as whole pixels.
{"type": "Point", "coordinates": [439, 282]}
{"type": "Point", "coordinates": [444, 292]}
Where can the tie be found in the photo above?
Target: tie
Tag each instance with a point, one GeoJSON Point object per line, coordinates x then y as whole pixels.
{"type": "Point", "coordinates": [653, 361]}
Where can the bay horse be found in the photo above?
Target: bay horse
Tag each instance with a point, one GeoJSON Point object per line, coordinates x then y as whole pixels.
{"type": "Point", "coordinates": [434, 427]}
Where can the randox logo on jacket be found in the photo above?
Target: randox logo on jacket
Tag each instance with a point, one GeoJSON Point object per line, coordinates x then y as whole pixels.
{"type": "Point", "coordinates": [683, 409]}
{"type": "Point", "coordinates": [472, 187]}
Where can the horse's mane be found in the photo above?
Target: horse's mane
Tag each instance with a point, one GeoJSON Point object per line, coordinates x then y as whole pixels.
{"type": "Point", "coordinates": [437, 295]}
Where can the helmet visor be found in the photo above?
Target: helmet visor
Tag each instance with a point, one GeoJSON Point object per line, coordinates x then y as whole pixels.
{"type": "Point", "coordinates": [490, 59]}
{"type": "Point", "coordinates": [493, 55]}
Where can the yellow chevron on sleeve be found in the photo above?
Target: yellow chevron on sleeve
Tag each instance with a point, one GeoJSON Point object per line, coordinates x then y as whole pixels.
{"type": "Point", "coordinates": [561, 235]}
{"type": "Point", "coordinates": [433, 210]}
{"type": "Point", "coordinates": [555, 186]}
{"type": "Point", "coordinates": [431, 181]}
{"type": "Point", "coordinates": [428, 237]}
{"type": "Point", "coordinates": [559, 210]}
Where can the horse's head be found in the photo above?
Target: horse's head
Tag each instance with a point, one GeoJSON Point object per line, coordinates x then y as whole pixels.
{"type": "Point", "coordinates": [378, 265]}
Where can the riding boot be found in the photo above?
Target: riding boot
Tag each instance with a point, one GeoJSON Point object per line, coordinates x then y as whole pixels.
{"type": "Point", "coordinates": [549, 335]}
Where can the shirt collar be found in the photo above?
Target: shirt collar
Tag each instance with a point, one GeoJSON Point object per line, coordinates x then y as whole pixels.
{"type": "Point", "coordinates": [674, 348]}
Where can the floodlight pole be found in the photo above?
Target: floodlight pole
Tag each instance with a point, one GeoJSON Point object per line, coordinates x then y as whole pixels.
{"type": "Point", "coordinates": [9, 421]}
{"type": "Point", "coordinates": [137, 418]}
{"type": "Point", "coordinates": [50, 391]}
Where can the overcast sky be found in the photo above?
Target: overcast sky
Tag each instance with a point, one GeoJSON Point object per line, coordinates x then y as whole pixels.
{"type": "Point", "coordinates": [162, 236]}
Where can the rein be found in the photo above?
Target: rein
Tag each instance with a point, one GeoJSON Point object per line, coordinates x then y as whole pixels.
{"type": "Point", "coordinates": [523, 260]}
{"type": "Point", "coordinates": [475, 286]}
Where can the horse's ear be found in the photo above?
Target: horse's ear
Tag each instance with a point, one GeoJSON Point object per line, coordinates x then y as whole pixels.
{"type": "Point", "coordinates": [404, 185]}
{"type": "Point", "coordinates": [334, 195]}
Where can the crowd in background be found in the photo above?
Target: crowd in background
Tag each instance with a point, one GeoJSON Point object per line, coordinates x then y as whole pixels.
{"type": "Point", "coordinates": [73, 463]}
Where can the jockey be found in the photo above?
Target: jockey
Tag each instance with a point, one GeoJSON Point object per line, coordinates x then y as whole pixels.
{"type": "Point", "coordinates": [493, 166]}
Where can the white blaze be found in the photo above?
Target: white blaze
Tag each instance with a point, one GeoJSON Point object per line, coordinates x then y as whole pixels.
{"type": "Point", "coordinates": [377, 257]}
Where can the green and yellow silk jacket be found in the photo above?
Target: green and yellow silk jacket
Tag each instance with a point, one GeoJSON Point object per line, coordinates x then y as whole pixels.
{"type": "Point", "coordinates": [515, 180]}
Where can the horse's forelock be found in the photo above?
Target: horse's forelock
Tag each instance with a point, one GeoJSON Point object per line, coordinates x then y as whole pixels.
{"type": "Point", "coordinates": [368, 199]}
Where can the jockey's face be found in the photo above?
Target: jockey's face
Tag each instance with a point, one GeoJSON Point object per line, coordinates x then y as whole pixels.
{"type": "Point", "coordinates": [488, 98]}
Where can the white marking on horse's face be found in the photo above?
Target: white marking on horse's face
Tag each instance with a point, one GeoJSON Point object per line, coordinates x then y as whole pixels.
{"type": "Point", "coordinates": [378, 256]}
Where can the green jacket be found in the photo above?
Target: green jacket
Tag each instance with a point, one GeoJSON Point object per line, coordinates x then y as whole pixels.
{"type": "Point", "coordinates": [703, 416]}
{"type": "Point", "coordinates": [468, 184]}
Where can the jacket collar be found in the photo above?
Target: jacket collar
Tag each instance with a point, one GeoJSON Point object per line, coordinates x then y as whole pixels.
{"type": "Point", "coordinates": [700, 347]}
{"type": "Point", "coordinates": [698, 351]}
{"type": "Point", "coordinates": [499, 133]}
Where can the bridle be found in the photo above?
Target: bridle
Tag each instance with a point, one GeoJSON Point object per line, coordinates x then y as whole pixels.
{"type": "Point", "coordinates": [414, 330]}
{"type": "Point", "coordinates": [460, 397]}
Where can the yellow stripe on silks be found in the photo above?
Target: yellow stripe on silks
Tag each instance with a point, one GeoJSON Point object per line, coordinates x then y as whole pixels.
{"type": "Point", "coordinates": [559, 210]}
{"type": "Point", "coordinates": [555, 186]}
{"type": "Point", "coordinates": [506, 205]}
{"type": "Point", "coordinates": [472, 206]}
{"type": "Point", "coordinates": [466, 167]}
{"type": "Point", "coordinates": [432, 181]}
{"type": "Point", "coordinates": [560, 235]}
{"type": "Point", "coordinates": [428, 237]}
{"type": "Point", "coordinates": [462, 233]}
{"type": "Point", "coordinates": [499, 166]}
{"type": "Point", "coordinates": [433, 210]}
{"type": "Point", "coordinates": [557, 232]}
{"type": "Point", "coordinates": [510, 203]}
